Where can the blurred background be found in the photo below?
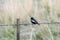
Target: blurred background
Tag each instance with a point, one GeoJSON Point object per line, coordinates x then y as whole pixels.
{"type": "Point", "coordinates": [41, 10]}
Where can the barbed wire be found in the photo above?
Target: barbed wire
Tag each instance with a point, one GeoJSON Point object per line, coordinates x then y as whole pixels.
{"type": "Point", "coordinates": [7, 24]}
{"type": "Point", "coordinates": [28, 24]}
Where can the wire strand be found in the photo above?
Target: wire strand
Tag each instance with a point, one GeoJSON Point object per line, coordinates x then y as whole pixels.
{"type": "Point", "coordinates": [28, 24]}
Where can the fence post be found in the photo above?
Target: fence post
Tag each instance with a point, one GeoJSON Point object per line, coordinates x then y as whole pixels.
{"type": "Point", "coordinates": [18, 29]}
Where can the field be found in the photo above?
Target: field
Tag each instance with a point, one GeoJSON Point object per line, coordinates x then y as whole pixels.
{"type": "Point", "coordinates": [44, 11]}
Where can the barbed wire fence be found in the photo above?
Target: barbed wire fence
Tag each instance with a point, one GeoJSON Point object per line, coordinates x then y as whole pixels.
{"type": "Point", "coordinates": [18, 26]}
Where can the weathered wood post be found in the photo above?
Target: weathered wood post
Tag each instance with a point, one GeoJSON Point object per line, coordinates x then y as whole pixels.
{"type": "Point", "coordinates": [18, 29]}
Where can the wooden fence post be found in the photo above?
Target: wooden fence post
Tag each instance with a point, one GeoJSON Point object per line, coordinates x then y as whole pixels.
{"type": "Point", "coordinates": [18, 29]}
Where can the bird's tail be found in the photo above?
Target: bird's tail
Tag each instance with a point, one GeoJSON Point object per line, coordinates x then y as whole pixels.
{"type": "Point", "coordinates": [38, 23]}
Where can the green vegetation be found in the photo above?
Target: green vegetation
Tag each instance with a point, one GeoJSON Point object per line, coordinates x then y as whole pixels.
{"type": "Point", "coordinates": [41, 32]}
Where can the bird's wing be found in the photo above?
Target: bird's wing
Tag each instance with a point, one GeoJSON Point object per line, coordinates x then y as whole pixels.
{"type": "Point", "coordinates": [33, 20]}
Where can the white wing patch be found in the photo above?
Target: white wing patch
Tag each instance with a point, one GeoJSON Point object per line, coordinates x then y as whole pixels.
{"type": "Point", "coordinates": [33, 21]}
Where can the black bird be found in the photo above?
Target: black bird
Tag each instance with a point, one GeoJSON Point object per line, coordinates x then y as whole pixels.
{"type": "Point", "coordinates": [33, 21]}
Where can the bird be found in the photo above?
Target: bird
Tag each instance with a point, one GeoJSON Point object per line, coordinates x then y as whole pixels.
{"type": "Point", "coordinates": [33, 21]}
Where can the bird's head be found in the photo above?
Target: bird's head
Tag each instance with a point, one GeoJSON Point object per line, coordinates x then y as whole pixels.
{"type": "Point", "coordinates": [31, 17]}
